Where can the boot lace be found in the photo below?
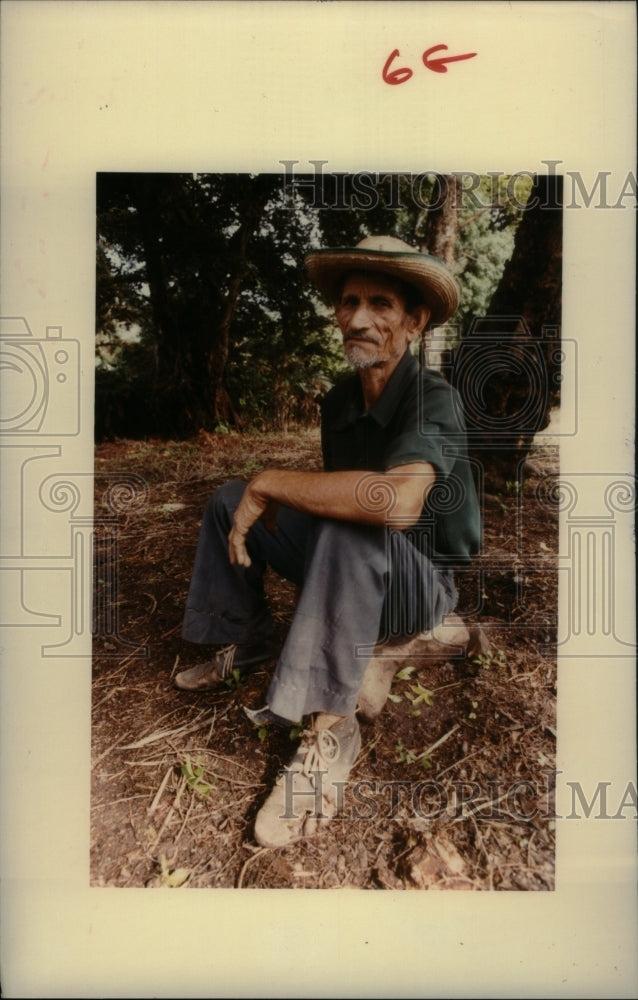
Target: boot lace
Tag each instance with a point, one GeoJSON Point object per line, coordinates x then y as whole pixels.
{"type": "Point", "coordinates": [224, 659]}
{"type": "Point", "coordinates": [321, 751]}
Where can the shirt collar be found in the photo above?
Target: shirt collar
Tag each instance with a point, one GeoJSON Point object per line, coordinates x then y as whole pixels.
{"type": "Point", "coordinates": [385, 406]}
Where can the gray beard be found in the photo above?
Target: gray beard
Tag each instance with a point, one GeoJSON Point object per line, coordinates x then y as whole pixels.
{"type": "Point", "coordinates": [358, 360]}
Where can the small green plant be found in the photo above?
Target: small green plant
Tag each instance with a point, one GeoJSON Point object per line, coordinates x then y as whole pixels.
{"type": "Point", "coordinates": [495, 658]}
{"type": "Point", "coordinates": [426, 761]}
{"type": "Point", "coordinates": [262, 734]}
{"type": "Point", "coordinates": [404, 674]}
{"type": "Point", "coordinates": [419, 695]}
{"type": "Point", "coordinates": [512, 487]}
{"type": "Point", "coordinates": [416, 693]}
{"type": "Point", "coordinates": [405, 756]}
{"type": "Point", "coordinates": [410, 757]}
{"type": "Point", "coordinates": [193, 771]}
{"type": "Point", "coordinates": [172, 878]}
{"type": "Point", "coordinates": [234, 680]}
{"type": "Point", "coordinates": [296, 730]}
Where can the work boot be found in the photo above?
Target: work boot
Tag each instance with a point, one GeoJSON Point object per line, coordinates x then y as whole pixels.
{"type": "Point", "coordinates": [214, 673]}
{"type": "Point", "coordinates": [309, 792]}
{"type": "Point", "coordinates": [447, 641]}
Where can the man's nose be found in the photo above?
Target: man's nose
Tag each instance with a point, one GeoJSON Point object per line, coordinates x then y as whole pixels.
{"type": "Point", "coordinates": [360, 319]}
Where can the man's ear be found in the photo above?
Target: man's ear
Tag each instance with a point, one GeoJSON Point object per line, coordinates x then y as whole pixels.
{"type": "Point", "coordinates": [417, 321]}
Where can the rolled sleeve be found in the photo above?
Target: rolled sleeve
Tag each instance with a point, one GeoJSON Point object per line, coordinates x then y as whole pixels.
{"type": "Point", "coordinates": [417, 418]}
{"type": "Point", "coordinates": [432, 431]}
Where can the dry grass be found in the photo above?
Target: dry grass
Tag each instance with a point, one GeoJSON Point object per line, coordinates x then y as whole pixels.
{"type": "Point", "coordinates": [452, 790]}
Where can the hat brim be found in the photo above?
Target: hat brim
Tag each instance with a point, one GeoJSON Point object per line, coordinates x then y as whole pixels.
{"type": "Point", "coordinates": [427, 274]}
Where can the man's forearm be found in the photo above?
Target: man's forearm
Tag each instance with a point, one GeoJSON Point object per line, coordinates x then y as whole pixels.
{"type": "Point", "coordinates": [392, 498]}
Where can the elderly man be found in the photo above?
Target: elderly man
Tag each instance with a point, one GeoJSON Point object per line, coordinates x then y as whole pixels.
{"type": "Point", "coordinates": [371, 541]}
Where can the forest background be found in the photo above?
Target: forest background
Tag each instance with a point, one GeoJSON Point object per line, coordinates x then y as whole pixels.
{"type": "Point", "coordinates": [206, 319]}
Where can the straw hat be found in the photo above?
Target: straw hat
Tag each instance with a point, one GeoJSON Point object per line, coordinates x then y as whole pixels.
{"type": "Point", "coordinates": [389, 255]}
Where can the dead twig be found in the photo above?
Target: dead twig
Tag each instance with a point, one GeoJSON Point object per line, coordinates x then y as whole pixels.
{"type": "Point", "coordinates": [188, 812]}
{"type": "Point", "coordinates": [238, 784]}
{"type": "Point", "coordinates": [95, 762]}
{"type": "Point", "coordinates": [456, 763]}
{"type": "Point", "coordinates": [169, 814]}
{"type": "Point", "coordinates": [212, 725]}
{"type": "Point", "coordinates": [162, 734]}
{"type": "Point", "coordinates": [230, 760]}
{"type": "Point", "coordinates": [106, 697]}
{"type": "Point", "coordinates": [132, 655]}
{"type": "Point", "coordinates": [158, 795]}
{"type": "Point", "coordinates": [154, 604]}
{"type": "Point", "coordinates": [171, 631]}
{"type": "Point", "coordinates": [246, 864]}
{"type": "Point", "coordinates": [439, 742]}
{"type": "Point", "coordinates": [114, 802]}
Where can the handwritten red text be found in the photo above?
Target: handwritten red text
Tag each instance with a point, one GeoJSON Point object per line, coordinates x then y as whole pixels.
{"type": "Point", "coordinates": [402, 74]}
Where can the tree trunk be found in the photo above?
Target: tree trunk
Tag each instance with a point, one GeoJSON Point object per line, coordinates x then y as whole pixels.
{"type": "Point", "coordinates": [507, 366]}
{"type": "Point", "coordinates": [193, 334]}
{"type": "Point", "coordinates": [442, 220]}
{"type": "Point", "coordinates": [441, 224]}
{"type": "Point", "coordinates": [257, 195]}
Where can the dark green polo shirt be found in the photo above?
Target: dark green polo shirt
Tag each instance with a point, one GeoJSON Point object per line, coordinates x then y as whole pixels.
{"type": "Point", "coordinates": [417, 418]}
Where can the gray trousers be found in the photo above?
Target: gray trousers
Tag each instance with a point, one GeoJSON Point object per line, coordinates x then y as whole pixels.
{"type": "Point", "coordinates": [359, 584]}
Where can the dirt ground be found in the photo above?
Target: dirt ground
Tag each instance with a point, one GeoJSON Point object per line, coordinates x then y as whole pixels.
{"type": "Point", "coordinates": [453, 787]}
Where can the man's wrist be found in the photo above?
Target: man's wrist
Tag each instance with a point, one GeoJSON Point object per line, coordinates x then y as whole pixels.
{"type": "Point", "coordinates": [263, 484]}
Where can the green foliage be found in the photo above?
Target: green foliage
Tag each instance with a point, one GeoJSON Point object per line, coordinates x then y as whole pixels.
{"type": "Point", "coordinates": [419, 695]}
{"type": "Point", "coordinates": [205, 317]}
{"type": "Point", "coordinates": [297, 729]}
{"type": "Point", "coordinates": [404, 674]}
{"type": "Point", "coordinates": [234, 680]}
{"type": "Point", "coordinates": [410, 757]}
{"type": "Point", "coordinates": [495, 658]}
{"type": "Point", "coordinates": [415, 694]}
{"type": "Point", "coordinates": [193, 771]}
{"type": "Point", "coordinates": [172, 878]}
{"type": "Point", "coordinates": [487, 225]}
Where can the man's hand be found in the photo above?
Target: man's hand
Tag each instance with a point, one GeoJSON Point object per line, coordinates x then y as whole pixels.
{"type": "Point", "coordinates": [252, 506]}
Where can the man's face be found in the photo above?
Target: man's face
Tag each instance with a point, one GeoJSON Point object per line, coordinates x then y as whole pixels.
{"type": "Point", "coordinates": [374, 321]}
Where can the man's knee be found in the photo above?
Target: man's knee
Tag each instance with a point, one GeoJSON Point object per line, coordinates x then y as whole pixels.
{"type": "Point", "coordinates": [346, 542]}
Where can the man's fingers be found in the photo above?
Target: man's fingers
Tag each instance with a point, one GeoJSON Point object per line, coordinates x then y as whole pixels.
{"type": "Point", "coordinates": [238, 558]}
{"type": "Point", "coordinates": [237, 551]}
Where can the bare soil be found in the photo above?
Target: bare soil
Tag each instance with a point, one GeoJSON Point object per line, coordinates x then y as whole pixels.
{"type": "Point", "coordinates": [453, 787]}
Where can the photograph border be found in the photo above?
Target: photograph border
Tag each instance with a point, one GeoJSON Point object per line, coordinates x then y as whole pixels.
{"type": "Point", "coordinates": [235, 86]}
